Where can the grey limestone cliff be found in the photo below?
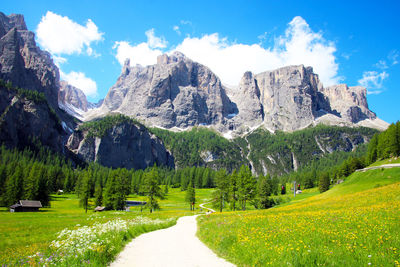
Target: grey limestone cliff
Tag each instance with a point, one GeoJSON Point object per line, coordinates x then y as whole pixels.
{"type": "Point", "coordinates": [22, 62]}
{"type": "Point", "coordinates": [174, 92]}
{"type": "Point", "coordinates": [177, 92]}
{"type": "Point", "coordinates": [349, 102]}
{"type": "Point", "coordinates": [125, 145]}
{"type": "Point", "coordinates": [69, 94]}
{"type": "Point", "coordinates": [25, 121]}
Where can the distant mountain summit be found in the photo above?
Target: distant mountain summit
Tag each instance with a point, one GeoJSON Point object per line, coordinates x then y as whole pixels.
{"type": "Point", "coordinates": [23, 63]}
{"type": "Point", "coordinates": [177, 92]}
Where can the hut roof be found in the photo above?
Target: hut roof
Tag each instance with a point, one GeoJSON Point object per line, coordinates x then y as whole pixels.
{"type": "Point", "coordinates": [30, 203]}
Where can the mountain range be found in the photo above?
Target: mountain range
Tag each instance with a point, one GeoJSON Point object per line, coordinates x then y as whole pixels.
{"type": "Point", "coordinates": [176, 94]}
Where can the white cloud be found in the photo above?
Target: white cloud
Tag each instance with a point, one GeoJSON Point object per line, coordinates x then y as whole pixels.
{"type": "Point", "coordinates": [176, 29]}
{"type": "Point", "coordinates": [373, 81]}
{"type": "Point", "coordinates": [154, 41]}
{"type": "Point", "coordinates": [381, 65]}
{"type": "Point", "coordinates": [229, 60]}
{"type": "Point", "coordinates": [79, 80]}
{"type": "Point", "coordinates": [59, 60]}
{"type": "Point", "coordinates": [144, 53]}
{"type": "Point", "coordinates": [61, 35]}
{"type": "Point", "coordinates": [393, 57]}
{"type": "Point", "coordinates": [299, 45]}
{"type": "Point", "coordinates": [139, 54]}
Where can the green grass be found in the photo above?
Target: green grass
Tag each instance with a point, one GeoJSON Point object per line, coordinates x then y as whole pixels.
{"type": "Point", "coordinates": [27, 233]}
{"type": "Point", "coordinates": [356, 223]}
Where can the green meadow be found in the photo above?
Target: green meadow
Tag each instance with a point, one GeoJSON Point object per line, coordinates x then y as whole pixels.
{"type": "Point", "coordinates": [356, 223]}
{"type": "Point", "coordinates": [26, 236]}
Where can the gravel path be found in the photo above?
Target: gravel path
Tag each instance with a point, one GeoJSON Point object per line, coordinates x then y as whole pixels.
{"type": "Point", "coordinates": [385, 166]}
{"type": "Point", "coordinates": [175, 246]}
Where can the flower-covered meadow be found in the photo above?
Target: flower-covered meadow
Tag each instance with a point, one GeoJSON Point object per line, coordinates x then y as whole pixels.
{"type": "Point", "coordinates": [96, 244]}
{"type": "Point", "coordinates": [351, 229]}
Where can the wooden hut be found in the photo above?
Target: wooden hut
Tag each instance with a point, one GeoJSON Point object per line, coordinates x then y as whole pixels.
{"type": "Point", "coordinates": [26, 205]}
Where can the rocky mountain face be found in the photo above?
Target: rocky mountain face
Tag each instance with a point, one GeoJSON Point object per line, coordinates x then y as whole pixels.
{"type": "Point", "coordinates": [70, 95]}
{"type": "Point", "coordinates": [349, 102]}
{"type": "Point", "coordinates": [174, 92]}
{"type": "Point", "coordinates": [285, 99]}
{"type": "Point", "coordinates": [124, 145]}
{"type": "Point", "coordinates": [177, 92]}
{"type": "Point", "coordinates": [23, 63]}
{"type": "Point", "coordinates": [30, 94]}
{"type": "Point", "coordinates": [25, 120]}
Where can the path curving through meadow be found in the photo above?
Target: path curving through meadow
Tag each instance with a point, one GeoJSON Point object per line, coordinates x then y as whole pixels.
{"type": "Point", "coordinates": [175, 246]}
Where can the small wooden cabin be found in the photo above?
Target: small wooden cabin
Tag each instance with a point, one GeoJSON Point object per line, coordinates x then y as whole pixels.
{"type": "Point", "coordinates": [100, 209]}
{"type": "Point", "coordinates": [26, 205]}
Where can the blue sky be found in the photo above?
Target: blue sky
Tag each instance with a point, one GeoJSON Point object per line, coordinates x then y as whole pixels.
{"type": "Point", "coordinates": [353, 42]}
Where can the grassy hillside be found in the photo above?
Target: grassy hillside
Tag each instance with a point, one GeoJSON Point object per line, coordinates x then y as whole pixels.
{"type": "Point", "coordinates": [356, 223]}
{"type": "Point", "coordinates": [26, 234]}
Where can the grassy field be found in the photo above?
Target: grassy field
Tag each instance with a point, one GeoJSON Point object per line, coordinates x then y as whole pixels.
{"type": "Point", "coordinates": [25, 234]}
{"type": "Point", "coordinates": [356, 223]}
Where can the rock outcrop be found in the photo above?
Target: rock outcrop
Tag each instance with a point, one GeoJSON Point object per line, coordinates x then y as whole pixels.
{"type": "Point", "coordinates": [124, 145]}
{"type": "Point", "coordinates": [70, 95]}
{"type": "Point", "coordinates": [285, 99]}
{"type": "Point", "coordinates": [349, 102]}
{"type": "Point", "coordinates": [24, 121]}
{"type": "Point", "coordinates": [177, 92]}
{"type": "Point", "coordinates": [23, 63]}
{"type": "Point", "coordinates": [174, 92]}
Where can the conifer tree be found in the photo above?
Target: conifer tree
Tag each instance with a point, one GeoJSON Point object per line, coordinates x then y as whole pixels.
{"type": "Point", "coordinates": [84, 190]}
{"type": "Point", "coordinates": [98, 194]}
{"type": "Point", "coordinates": [246, 184]}
{"type": "Point", "coordinates": [152, 189]}
{"type": "Point", "coordinates": [324, 182]}
{"type": "Point", "coordinates": [264, 191]}
{"type": "Point", "coordinates": [14, 187]}
{"type": "Point", "coordinates": [191, 196]}
{"type": "Point", "coordinates": [222, 183]}
{"type": "Point", "coordinates": [234, 189]}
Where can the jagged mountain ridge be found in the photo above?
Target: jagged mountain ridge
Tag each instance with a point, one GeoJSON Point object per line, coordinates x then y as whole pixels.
{"type": "Point", "coordinates": [177, 92]}
{"type": "Point", "coordinates": [174, 92]}
{"type": "Point", "coordinates": [23, 63]}
{"type": "Point", "coordinates": [30, 115]}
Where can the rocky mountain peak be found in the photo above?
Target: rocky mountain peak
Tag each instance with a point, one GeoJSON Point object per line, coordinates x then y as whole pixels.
{"type": "Point", "coordinates": [22, 62]}
{"type": "Point", "coordinates": [177, 92]}
{"type": "Point", "coordinates": [174, 92]}
{"type": "Point", "coordinates": [173, 58]}
{"type": "Point", "coordinates": [70, 95]}
{"type": "Point", "coordinates": [349, 103]}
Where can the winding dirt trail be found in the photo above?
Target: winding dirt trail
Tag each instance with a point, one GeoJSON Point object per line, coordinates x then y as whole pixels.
{"type": "Point", "coordinates": [175, 246]}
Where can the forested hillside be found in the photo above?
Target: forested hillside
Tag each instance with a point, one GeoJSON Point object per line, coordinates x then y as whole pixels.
{"type": "Point", "coordinates": [266, 153]}
{"type": "Point", "coordinates": [202, 147]}
{"type": "Point", "coordinates": [282, 153]}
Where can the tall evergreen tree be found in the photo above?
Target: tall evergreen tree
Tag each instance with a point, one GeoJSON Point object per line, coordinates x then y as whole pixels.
{"type": "Point", "coordinates": [84, 190]}
{"type": "Point", "coordinates": [234, 189]}
{"type": "Point", "coordinates": [246, 183]}
{"type": "Point", "coordinates": [14, 187]}
{"type": "Point", "coordinates": [191, 196]}
{"type": "Point", "coordinates": [152, 189]}
{"type": "Point", "coordinates": [324, 182]}
{"type": "Point", "coordinates": [98, 194]}
{"type": "Point", "coordinates": [264, 191]}
{"type": "Point", "coordinates": [222, 183]}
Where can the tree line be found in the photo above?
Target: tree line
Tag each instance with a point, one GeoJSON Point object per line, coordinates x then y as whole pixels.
{"type": "Point", "coordinates": [240, 188]}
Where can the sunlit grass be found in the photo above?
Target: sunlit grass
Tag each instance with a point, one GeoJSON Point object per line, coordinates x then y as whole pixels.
{"type": "Point", "coordinates": [356, 223]}
{"type": "Point", "coordinates": [24, 234]}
